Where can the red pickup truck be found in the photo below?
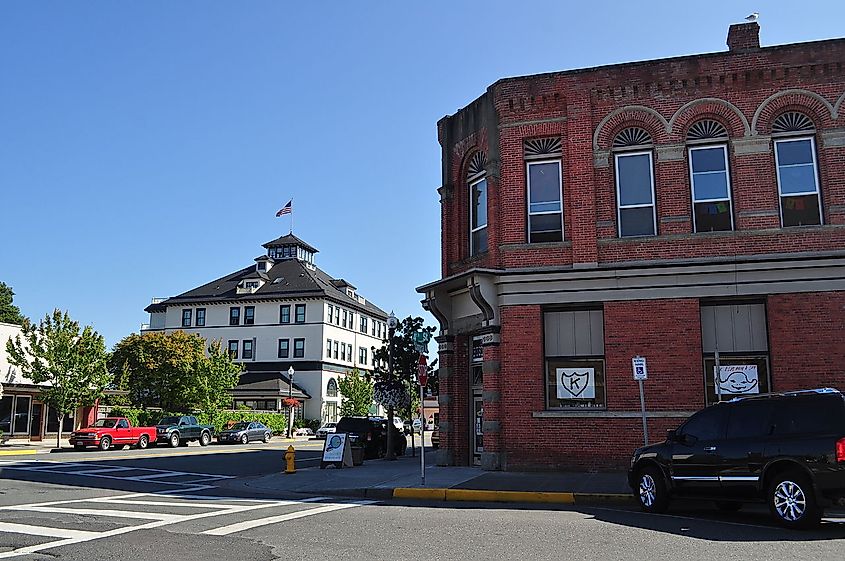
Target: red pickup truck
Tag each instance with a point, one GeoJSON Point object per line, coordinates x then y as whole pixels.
{"type": "Point", "coordinates": [113, 431]}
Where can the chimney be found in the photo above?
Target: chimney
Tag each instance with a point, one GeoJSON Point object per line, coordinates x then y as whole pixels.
{"type": "Point", "coordinates": [744, 37]}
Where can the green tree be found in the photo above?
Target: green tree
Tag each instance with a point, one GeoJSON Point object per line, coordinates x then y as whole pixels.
{"type": "Point", "coordinates": [71, 363]}
{"type": "Point", "coordinates": [173, 371]}
{"type": "Point", "coordinates": [9, 313]}
{"type": "Point", "coordinates": [400, 390]}
{"type": "Point", "coordinates": [357, 394]}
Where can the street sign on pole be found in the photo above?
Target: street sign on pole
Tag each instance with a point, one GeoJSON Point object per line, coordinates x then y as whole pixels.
{"type": "Point", "coordinates": [640, 374]}
{"type": "Point", "coordinates": [422, 371]}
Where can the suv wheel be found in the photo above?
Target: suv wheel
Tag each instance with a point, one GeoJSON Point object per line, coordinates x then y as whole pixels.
{"type": "Point", "coordinates": [651, 491]}
{"type": "Point", "coordinates": [792, 502]}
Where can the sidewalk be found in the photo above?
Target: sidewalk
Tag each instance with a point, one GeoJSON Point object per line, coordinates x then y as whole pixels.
{"type": "Point", "coordinates": [27, 448]}
{"type": "Point", "coordinates": [379, 479]}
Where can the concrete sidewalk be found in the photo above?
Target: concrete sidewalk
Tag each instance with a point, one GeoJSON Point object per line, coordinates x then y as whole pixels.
{"type": "Point", "coordinates": [380, 479]}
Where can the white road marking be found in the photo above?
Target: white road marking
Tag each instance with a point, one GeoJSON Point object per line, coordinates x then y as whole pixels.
{"type": "Point", "coordinates": [97, 512]}
{"type": "Point", "coordinates": [249, 524]}
{"type": "Point", "coordinates": [44, 531]}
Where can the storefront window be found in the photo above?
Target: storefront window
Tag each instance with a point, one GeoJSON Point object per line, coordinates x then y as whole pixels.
{"type": "Point", "coordinates": [738, 375]}
{"type": "Point", "coordinates": [6, 414]}
{"type": "Point", "coordinates": [575, 383]}
{"type": "Point", "coordinates": [574, 348]}
{"type": "Point", "coordinates": [53, 422]}
{"type": "Point", "coordinates": [20, 422]}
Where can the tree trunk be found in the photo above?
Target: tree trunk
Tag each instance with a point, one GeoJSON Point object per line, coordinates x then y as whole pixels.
{"type": "Point", "coordinates": [59, 435]}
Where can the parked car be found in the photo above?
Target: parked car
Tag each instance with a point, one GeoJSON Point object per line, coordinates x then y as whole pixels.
{"type": "Point", "coordinates": [244, 432]}
{"type": "Point", "coordinates": [181, 430]}
{"type": "Point", "coordinates": [303, 431]}
{"type": "Point", "coordinates": [112, 431]}
{"type": "Point", "coordinates": [786, 449]}
{"type": "Point", "coordinates": [399, 423]}
{"type": "Point", "coordinates": [417, 424]}
{"type": "Point", "coordinates": [371, 434]}
{"type": "Point", "coordinates": [326, 430]}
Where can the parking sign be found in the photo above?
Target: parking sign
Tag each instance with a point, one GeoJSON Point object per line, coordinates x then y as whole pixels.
{"type": "Point", "coordinates": [640, 368]}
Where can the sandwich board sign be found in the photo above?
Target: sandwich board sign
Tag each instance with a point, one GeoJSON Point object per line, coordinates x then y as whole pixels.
{"type": "Point", "coordinates": [337, 451]}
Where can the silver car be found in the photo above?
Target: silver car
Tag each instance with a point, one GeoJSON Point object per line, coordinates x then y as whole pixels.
{"type": "Point", "coordinates": [244, 432]}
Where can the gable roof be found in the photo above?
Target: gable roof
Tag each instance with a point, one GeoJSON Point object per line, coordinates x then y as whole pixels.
{"type": "Point", "coordinates": [287, 279]}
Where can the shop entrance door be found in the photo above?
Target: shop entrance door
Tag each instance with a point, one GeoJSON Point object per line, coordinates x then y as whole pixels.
{"type": "Point", "coordinates": [37, 422]}
{"type": "Point", "coordinates": [477, 429]}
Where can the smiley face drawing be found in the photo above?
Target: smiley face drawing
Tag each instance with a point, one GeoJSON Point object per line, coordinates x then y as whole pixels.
{"type": "Point", "coordinates": [738, 382]}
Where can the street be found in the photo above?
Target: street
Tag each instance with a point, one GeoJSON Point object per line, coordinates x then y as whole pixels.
{"type": "Point", "coordinates": [180, 505]}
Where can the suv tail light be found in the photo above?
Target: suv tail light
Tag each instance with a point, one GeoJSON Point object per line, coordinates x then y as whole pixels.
{"type": "Point", "coordinates": [840, 450]}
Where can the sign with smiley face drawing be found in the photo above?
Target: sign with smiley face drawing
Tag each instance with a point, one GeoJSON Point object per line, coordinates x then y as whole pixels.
{"type": "Point", "coordinates": [739, 379]}
{"type": "Point", "coordinates": [576, 383]}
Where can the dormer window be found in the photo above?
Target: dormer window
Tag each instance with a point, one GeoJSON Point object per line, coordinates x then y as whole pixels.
{"type": "Point", "coordinates": [262, 266]}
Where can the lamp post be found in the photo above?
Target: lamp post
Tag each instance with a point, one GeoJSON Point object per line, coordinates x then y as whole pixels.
{"type": "Point", "coordinates": [392, 322]}
{"type": "Point", "coordinates": [290, 402]}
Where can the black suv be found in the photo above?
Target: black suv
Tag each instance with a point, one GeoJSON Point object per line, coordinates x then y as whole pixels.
{"type": "Point", "coordinates": [371, 434]}
{"type": "Point", "coordinates": [787, 449]}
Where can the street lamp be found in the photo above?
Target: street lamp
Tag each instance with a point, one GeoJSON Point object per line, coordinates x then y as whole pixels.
{"type": "Point", "coordinates": [392, 323]}
{"type": "Point", "coordinates": [290, 401]}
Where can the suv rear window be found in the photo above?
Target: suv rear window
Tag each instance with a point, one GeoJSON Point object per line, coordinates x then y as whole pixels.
{"type": "Point", "coordinates": [801, 415]}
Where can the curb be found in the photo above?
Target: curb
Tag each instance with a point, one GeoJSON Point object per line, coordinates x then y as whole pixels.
{"type": "Point", "coordinates": [477, 495]}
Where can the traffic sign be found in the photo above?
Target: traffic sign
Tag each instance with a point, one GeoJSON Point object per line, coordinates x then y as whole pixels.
{"type": "Point", "coordinates": [422, 337]}
{"type": "Point", "coordinates": [640, 368]}
{"type": "Point", "coordinates": [422, 374]}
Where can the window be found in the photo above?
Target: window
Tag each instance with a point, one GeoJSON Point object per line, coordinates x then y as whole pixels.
{"type": "Point", "coordinates": [262, 265]}
{"type": "Point", "coordinates": [343, 352]}
{"type": "Point", "coordinates": [575, 366]}
{"type": "Point", "coordinates": [298, 348]}
{"type": "Point", "coordinates": [710, 189]}
{"type": "Point", "coordinates": [284, 313]}
{"type": "Point", "coordinates": [249, 315]}
{"type": "Point", "coordinates": [798, 181]}
{"type": "Point", "coordinates": [351, 319]}
{"type": "Point", "coordinates": [349, 352]}
{"type": "Point", "coordinates": [749, 420]}
{"type": "Point", "coordinates": [122, 424]}
{"type": "Point", "coordinates": [331, 415]}
{"type": "Point", "coordinates": [335, 349]}
{"type": "Point", "coordinates": [708, 424]}
{"type": "Point", "coordinates": [808, 414]}
{"type": "Point", "coordinates": [635, 194]}
{"type": "Point", "coordinates": [337, 315]}
{"type": "Point", "coordinates": [233, 349]}
{"type": "Point", "coordinates": [300, 313]}
{"type": "Point", "coordinates": [545, 209]}
{"type": "Point", "coordinates": [477, 184]}
{"type": "Point", "coordinates": [344, 318]}
{"type": "Point", "coordinates": [374, 327]}
{"type": "Point", "coordinates": [200, 317]}
{"type": "Point", "coordinates": [328, 348]}
{"type": "Point", "coordinates": [331, 311]}
{"type": "Point", "coordinates": [362, 356]}
{"type": "Point", "coordinates": [284, 348]}
{"type": "Point", "coordinates": [363, 324]}
{"type": "Point", "coordinates": [247, 349]}
{"type": "Point", "coordinates": [186, 317]}
{"type": "Point", "coordinates": [331, 388]}
{"type": "Point", "coordinates": [234, 316]}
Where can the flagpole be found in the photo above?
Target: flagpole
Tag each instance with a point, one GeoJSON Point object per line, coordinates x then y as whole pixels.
{"type": "Point", "coordinates": [291, 215]}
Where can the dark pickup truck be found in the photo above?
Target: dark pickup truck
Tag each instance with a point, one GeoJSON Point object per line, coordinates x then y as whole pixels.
{"type": "Point", "coordinates": [182, 430]}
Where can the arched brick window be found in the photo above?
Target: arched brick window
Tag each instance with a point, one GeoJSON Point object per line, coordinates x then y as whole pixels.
{"type": "Point", "coordinates": [635, 199]}
{"type": "Point", "coordinates": [331, 388]}
{"type": "Point", "coordinates": [477, 185]}
{"type": "Point", "coordinates": [710, 181]}
{"type": "Point", "coordinates": [544, 189]}
{"type": "Point", "coordinates": [797, 169]}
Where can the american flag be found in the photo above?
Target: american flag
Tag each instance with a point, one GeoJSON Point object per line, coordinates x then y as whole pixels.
{"type": "Point", "coordinates": [287, 209]}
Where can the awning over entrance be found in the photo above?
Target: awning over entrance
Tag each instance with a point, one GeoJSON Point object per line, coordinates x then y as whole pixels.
{"type": "Point", "coordinates": [267, 385]}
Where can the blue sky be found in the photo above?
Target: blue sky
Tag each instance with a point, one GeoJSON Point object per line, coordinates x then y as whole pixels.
{"type": "Point", "coordinates": [145, 146]}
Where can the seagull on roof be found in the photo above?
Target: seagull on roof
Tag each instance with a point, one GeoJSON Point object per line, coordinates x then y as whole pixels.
{"type": "Point", "coordinates": [752, 17]}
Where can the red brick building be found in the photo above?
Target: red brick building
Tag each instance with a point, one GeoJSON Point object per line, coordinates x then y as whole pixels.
{"type": "Point", "coordinates": [675, 209]}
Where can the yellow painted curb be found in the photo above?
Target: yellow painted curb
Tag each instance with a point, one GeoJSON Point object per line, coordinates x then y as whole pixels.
{"type": "Point", "coordinates": [415, 493]}
{"type": "Point", "coordinates": [587, 497]}
{"type": "Point", "coordinates": [18, 452]}
{"type": "Point", "coordinates": [509, 496]}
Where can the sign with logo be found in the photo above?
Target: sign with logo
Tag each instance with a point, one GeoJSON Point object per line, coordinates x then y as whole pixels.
{"type": "Point", "coordinates": [738, 379]}
{"type": "Point", "coordinates": [640, 369]}
{"type": "Point", "coordinates": [576, 383]}
{"type": "Point", "coordinates": [337, 450]}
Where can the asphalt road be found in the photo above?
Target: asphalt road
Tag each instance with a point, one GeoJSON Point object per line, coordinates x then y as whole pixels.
{"type": "Point", "coordinates": [158, 506]}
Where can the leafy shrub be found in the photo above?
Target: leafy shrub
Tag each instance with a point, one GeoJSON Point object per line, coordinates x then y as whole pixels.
{"type": "Point", "coordinates": [312, 424]}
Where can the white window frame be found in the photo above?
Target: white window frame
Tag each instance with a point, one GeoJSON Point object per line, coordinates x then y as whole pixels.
{"type": "Point", "coordinates": [817, 191]}
{"type": "Point", "coordinates": [472, 184]}
{"type": "Point", "coordinates": [724, 148]}
{"type": "Point", "coordinates": [653, 205]}
{"type": "Point", "coordinates": [528, 195]}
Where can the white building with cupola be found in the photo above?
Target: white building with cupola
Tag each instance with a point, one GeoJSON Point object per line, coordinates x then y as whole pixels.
{"type": "Point", "coordinates": [280, 312]}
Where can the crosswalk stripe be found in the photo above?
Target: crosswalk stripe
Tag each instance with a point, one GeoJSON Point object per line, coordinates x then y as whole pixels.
{"type": "Point", "coordinates": [44, 531]}
{"type": "Point", "coordinates": [98, 512]}
{"type": "Point", "coordinates": [249, 524]}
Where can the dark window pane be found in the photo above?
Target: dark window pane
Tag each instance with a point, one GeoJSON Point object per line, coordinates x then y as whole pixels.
{"type": "Point", "coordinates": [801, 211]}
{"type": "Point", "coordinates": [708, 159]}
{"type": "Point", "coordinates": [201, 317]}
{"type": "Point", "coordinates": [708, 186]}
{"type": "Point", "coordinates": [479, 241]}
{"type": "Point", "coordinates": [545, 228]}
{"type": "Point", "coordinates": [712, 217]}
{"type": "Point", "coordinates": [479, 204]}
{"type": "Point", "coordinates": [749, 420]}
{"type": "Point", "coordinates": [544, 183]}
{"type": "Point", "coordinates": [795, 152]}
{"type": "Point", "coordinates": [249, 315]}
{"type": "Point", "coordinates": [797, 179]}
{"type": "Point", "coordinates": [813, 414]}
{"type": "Point", "coordinates": [6, 414]}
{"type": "Point", "coordinates": [636, 221]}
{"type": "Point", "coordinates": [708, 424]}
{"type": "Point", "coordinates": [634, 179]}
{"type": "Point", "coordinates": [284, 348]}
{"type": "Point", "coordinates": [20, 422]}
